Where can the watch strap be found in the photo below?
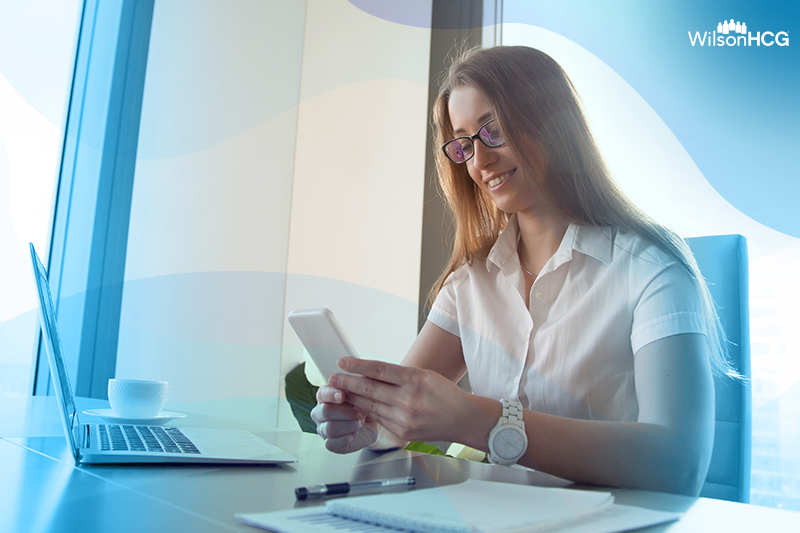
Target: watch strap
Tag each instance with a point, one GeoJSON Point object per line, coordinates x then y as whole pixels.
{"type": "Point", "coordinates": [512, 413]}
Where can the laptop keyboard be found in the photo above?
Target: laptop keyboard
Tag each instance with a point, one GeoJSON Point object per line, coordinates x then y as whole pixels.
{"type": "Point", "coordinates": [115, 437]}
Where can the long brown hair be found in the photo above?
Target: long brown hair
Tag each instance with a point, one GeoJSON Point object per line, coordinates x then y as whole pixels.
{"type": "Point", "coordinates": [538, 108]}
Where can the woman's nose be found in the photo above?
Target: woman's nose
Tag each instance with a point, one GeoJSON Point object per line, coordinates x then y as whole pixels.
{"type": "Point", "coordinates": [484, 156]}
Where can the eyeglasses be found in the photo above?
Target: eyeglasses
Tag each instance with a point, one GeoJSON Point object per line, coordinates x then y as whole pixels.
{"type": "Point", "coordinates": [461, 149]}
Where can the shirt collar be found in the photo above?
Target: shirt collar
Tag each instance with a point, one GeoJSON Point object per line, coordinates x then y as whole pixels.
{"type": "Point", "coordinates": [596, 242]}
{"type": "Point", "coordinates": [505, 247]}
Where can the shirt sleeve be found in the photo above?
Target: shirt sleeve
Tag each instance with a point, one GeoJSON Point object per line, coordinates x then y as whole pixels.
{"type": "Point", "coordinates": [670, 305]}
{"type": "Point", "coordinates": [444, 312]}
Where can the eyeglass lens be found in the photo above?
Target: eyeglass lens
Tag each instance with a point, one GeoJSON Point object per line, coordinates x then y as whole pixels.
{"type": "Point", "coordinates": [462, 149]}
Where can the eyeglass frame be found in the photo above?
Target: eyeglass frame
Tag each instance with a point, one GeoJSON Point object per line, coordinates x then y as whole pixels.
{"type": "Point", "coordinates": [471, 140]}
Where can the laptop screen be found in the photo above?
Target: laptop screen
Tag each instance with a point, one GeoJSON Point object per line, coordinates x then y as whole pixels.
{"type": "Point", "coordinates": [58, 368]}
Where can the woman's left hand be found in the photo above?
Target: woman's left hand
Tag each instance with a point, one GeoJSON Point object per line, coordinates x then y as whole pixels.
{"type": "Point", "coordinates": [412, 403]}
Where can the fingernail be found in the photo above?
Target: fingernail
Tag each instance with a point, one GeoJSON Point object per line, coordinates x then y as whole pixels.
{"type": "Point", "coordinates": [342, 363]}
{"type": "Point", "coordinates": [337, 396]}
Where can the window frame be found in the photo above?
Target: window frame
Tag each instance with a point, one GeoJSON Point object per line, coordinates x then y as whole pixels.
{"type": "Point", "coordinates": [91, 212]}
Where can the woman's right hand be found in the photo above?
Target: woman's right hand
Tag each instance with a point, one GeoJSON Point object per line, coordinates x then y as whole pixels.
{"type": "Point", "coordinates": [344, 429]}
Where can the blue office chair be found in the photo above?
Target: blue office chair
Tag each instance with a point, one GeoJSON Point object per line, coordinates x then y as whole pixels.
{"type": "Point", "coordinates": [723, 261]}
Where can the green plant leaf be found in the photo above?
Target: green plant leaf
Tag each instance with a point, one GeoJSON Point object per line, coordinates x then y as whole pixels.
{"type": "Point", "coordinates": [419, 446]}
{"type": "Point", "coordinates": [302, 397]}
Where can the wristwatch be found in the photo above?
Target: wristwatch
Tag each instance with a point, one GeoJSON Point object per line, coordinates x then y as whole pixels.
{"type": "Point", "coordinates": [507, 440]}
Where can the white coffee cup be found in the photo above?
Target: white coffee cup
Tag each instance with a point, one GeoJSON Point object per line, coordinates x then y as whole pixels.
{"type": "Point", "coordinates": [136, 398]}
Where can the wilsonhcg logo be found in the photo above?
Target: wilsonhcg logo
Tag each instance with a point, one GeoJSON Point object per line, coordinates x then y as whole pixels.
{"type": "Point", "coordinates": [734, 33]}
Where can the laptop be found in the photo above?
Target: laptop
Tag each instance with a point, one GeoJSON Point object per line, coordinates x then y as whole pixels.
{"type": "Point", "coordinates": [118, 443]}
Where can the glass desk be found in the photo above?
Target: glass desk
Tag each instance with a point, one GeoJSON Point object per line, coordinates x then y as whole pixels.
{"type": "Point", "coordinates": [42, 489]}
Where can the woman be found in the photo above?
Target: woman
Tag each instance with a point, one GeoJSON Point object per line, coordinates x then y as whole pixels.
{"type": "Point", "coordinates": [586, 327]}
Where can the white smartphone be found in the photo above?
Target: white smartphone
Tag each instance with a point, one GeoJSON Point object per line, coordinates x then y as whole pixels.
{"type": "Point", "coordinates": [323, 337]}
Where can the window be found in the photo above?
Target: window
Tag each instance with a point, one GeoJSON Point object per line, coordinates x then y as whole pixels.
{"type": "Point", "coordinates": [223, 133]}
{"type": "Point", "coordinates": [32, 104]}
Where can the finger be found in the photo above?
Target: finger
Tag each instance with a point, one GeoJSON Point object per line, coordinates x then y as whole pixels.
{"type": "Point", "coordinates": [378, 370]}
{"type": "Point", "coordinates": [325, 412]}
{"type": "Point", "coordinates": [394, 419]}
{"type": "Point", "coordinates": [328, 394]}
{"type": "Point", "coordinates": [340, 444]}
{"type": "Point", "coordinates": [366, 387]}
{"type": "Point", "coordinates": [389, 424]}
{"type": "Point", "coordinates": [336, 429]}
{"type": "Point", "coordinates": [369, 408]}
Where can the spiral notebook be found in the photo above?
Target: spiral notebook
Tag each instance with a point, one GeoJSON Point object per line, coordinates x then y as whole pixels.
{"type": "Point", "coordinates": [470, 507]}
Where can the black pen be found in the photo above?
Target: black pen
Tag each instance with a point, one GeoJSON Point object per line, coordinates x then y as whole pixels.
{"type": "Point", "coordinates": [318, 491]}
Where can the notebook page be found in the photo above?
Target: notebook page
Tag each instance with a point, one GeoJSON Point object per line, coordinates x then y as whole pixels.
{"type": "Point", "coordinates": [474, 506]}
{"type": "Point", "coordinates": [309, 520]}
{"type": "Point", "coordinates": [318, 520]}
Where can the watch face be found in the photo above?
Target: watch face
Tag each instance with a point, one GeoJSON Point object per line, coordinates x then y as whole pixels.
{"type": "Point", "coordinates": [508, 444]}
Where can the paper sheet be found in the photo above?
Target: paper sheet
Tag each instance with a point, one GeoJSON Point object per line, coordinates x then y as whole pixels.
{"type": "Point", "coordinates": [478, 506]}
{"type": "Point", "coordinates": [317, 520]}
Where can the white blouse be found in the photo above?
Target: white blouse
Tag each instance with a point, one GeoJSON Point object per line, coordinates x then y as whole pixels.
{"type": "Point", "coordinates": [600, 298]}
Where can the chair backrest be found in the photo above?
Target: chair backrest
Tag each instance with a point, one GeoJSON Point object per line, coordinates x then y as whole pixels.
{"type": "Point", "coordinates": [723, 262]}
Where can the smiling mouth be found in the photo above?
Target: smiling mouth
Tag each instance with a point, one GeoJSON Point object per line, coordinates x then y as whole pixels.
{"type": "Point", "coordinates": [500, 179]}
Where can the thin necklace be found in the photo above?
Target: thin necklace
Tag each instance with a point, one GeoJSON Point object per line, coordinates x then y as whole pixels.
{"type": "Point", "coordinates": [519, 254]}
{"type": "Point", "coordinates": [525, 269]}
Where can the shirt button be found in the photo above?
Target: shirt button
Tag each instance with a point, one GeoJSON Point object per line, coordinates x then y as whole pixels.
{"type": "Point", "coordinates": [539, 295]}
{"type": "Point", "coordinates": [516, 379]}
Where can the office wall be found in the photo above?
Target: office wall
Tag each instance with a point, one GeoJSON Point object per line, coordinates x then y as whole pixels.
{"type": "Point", "coordinates": [264, 183]}
{"type": "Point", "coordinates": [354, 242]}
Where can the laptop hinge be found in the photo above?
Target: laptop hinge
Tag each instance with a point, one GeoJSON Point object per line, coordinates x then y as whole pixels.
{"type": "Point", "coordinates": [86, 441]}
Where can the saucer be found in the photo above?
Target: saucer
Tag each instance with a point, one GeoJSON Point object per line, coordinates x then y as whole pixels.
{"type": "Point", "coordinates": [108, 416]}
